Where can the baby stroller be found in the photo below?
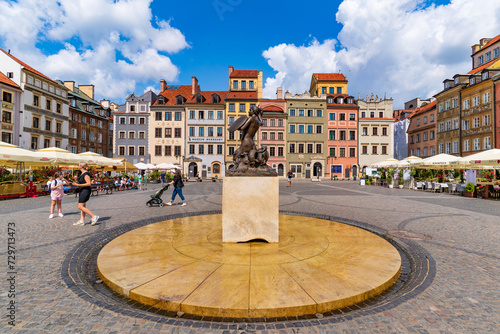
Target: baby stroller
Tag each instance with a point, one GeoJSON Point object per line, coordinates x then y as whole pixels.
{"type": "Point", "coordinates": [156, 197]}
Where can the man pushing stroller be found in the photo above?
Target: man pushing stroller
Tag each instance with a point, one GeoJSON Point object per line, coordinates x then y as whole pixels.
{"type": "Point", "coordinates": [178, 185]}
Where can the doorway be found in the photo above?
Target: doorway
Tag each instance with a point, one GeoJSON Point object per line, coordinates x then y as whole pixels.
{"type": "Point", "coordinates": [193, 169]}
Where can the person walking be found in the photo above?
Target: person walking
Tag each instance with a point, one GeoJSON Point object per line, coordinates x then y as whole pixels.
{"type": "Point", "coordinates": [57, 194]}
{"type": "Point", "coordinates": [139, 180]}
{"type": "Point", "coordinates": [178, 184]}
{"type": "Point", "coordinates": [162, 178]}
{"type": "Point", "coordinates": [84, 184]}
{"type": "Point", "coordinates": [290, 176]}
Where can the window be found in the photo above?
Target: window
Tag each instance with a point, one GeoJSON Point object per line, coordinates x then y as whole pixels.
{"type": "Point", "coordinates": [74, 117]}
{"type": "Point", "coordinates": [319, 129]}
{"type": "Point", "coordinates": [7, 97]}
{"type": "Point", "coordinates": [192, 149]}
{"type": "Point", "coordinates": [84, 135]}
{"type": "Point", "coordinates": [323, 90]}
{"type": "Point", "coordinates": [46, 142]}
{"type": "Point", "coordinates": [331, 135]}
{"type": "Point", "coordinates": [425, 119]}
{"type": "Point", "coordinates": [374, 149]}
{"type": "Point", "coordinates": [292, 112]}
{"type": "Point", "coordinates": [418, 122]}
{"type": "Point", "coordinates": [381, 114]}
{"type": "Point", "coordinates": [73, 133]}
{"type": "Point", "coordinates": [342, 152]}
{"type": "Point", "coordinates": [131, 120]}
{"type": "Point", "coordinates": [375, 131]}
{"type": "Point", "coordinates": [332, 152]}
{"type": "Point", "coordinates": [480, 60]}
{"type": "Point", "coordinates": [441, 127]}
{"type": "Point", "coordinates": [231, 107]}
{"type": "Point", "coordinates": [339, 90]}
{"type": "Point", "coordinates": [319, 113]}
{"type": "Point", "coordinates": [36, 122]}
{"type": "Point", "coordinates": [230, 150]}
{"type": "Point", "coordinates": [486, 120]}
{"type": "Point", "coordinates": [425, 151]}
{"type": "Point", "coordinates": [341, 117]}
{"type": "Point", "coordinates": [455, 146]}
{"type": "Point", "coordinates": [121, 135]}
{"type": "Point", "coordinates": [157, 117]}
{"type": "Point", "coordinates": [486, 97]}
{"type": "Point", "coordinates": [36, 100]}
{"type": "Point", "coordinates": [448, 148]}
{"type": "Point", "coordinates": [219, 149]}
{"type": "Point", "coordinates": [131, 150]}
{"type": "Point", "coordinates": [272, 136]}
{"type": "Point", "coordinates": [210, 131]}
{"type": "Point", "coordinates": [6, 116]}
{"type": "Point", "coordinates": [34, 143]}
{"type": "Point", "coordinates": [384, 131]}
{"type": "Point", "coordinates": [446, 106]}
{"type": "Point", "coordinates": [157, 132]}
{"type": "Point", "coordinates": [352, 117]}
{"type": "Point", "coordinates": [219, 132]}
{"type": "Point", "coordinates": [310, 148]}
{"type": "Point", "coordinates": [384, 149]}
{"type": "Point", "coordinates": [301, 112]}
{"type": "Point", "coordinates": [425, 136]}
{"type": "Point", "coordinates": [157, 150]}
{"type": "Point", "coordinates": [331, 116]}
{"type": "Point", "coordinates": [372, 114]}
{"type": "Point", "coordinates": [466, 146]}
{"type": "Point", "coordinates": [412, 139]}
{"type": "Point", "coordinates": [432, 117]}
{"type": "Point", "coordinates": [142, 151]}
{"type": "Point", "coordinates": [310, 129]}
{"type": "Point", "coordinates": [201, 114]}
{"type": "Point", "coordinates": [142, 121]}
{"type": "Point", "coordinates": [342, 135]}
{"type": "Point", "coordinates": [201, 149]}
{"type": "Point", "coordinates": [264, 135]}
{"type": "Point", "coordinates": [488, 56]}
{"type": "Point", "coordinates": [231, 120]}
{"type": "Point", "coordinates": [280, 122]}
{"type": "Point", "coordinates": [220, 114]}
{"type": "Point", "coordinates": [178, 116]}
{"type": "Point", "coordinates": [433, 134]}
{"type": "Point", "coordinates": [178, 133]}
{"type": "Point", "coordinates": [319, 148]}
{"type": "Point", "coordinates": [476, 144]}
{"type": "Point", "coordinates": [364, 149]}
{"type": "Point", "coordinates": [301, 128]}
{"type": "Point", "coordinates": [235, 84]}
{"type": "Point", "coordinates": [272, 122]}
{"type": "Point", "coordinates": [454, 103]}
{"type": "Point", "coordinates": [168, 116]}
{"type": "Point", "coordinates": [475, 101]}
{"type": "Point", "coordinates": [231, 135]}
{"type": "Point", "coordinates": [448, 125]}
{"type": "Point", "coordinates": [484, 76]}
{"type": "Point", "coordinates": [487, 143]}
{"type": "Point", "coordinates": [363, 114]}
{"type": "Point", "coordinates": [264, 122]}
{"type": "Point", "coordinates": [250, 84]}
{"type": "Point", "coordinates": [177, 151]}
{"type": "Point", "coordinates": [466, 124]}
{"type": "Point", "coordinates": [418, 138]}
{"type": "Point", "coordinates": [211, 114]}
{"type": "Point", "coordinates": [476, 122]}
{"type": "Point", "coordinates": [272, 151]}
{"type": "Point", "coordinates": [84, 120]}
{"type": "Point", "coordinates": [433, 150]}
{"type": "Point", "coordinates": [329, 100]}
{"type": "Point", "coordinates": [242, 107]}
{"type": "Point", "coordinates": [352, 135]}
{"type": "Point", "coordinates": [466, 104]}
{"type": "Point", "coordinates": [301, 148]}
{"type": "Point", "coordinates": [418, 152]}
{"type": "Point", "coordinates": [201, 131]}
{"type": "Point", "coordinates": [496, 52]}
{"type": "Point", "coordinates": [99, 137]}
{"type": "Point", "coordinates": [455, 124]}
{"type": "Point", "coordinates": [48, 104]}
{"type": "Point", "coordinates": [243, 85]}
{"type": "Point", "coordinates": [291, 148]}
{"type": "Point", "coordinates": [365, 131]}
{"type": "Point", "coordinates": [310, 113]}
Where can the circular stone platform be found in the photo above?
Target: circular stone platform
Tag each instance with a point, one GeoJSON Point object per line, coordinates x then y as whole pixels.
{"type": "Point", "coordinates": [182, 265]}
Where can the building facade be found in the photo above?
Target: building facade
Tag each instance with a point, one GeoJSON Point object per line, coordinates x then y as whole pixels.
{"type": "Point", "coordinates": [422, 131]}
{"type": "Point", "coordinates": [496, 82]}
{"type": "Point", "coordinates": [401, 123]}
{"type": "Point", "coordinates": [167, 124]}
{"type": "Point", "coordinates": [376, 130]}
{"type": "Point", "coordinates": [205, 130]}
{"type": "Point", "coordinates": [10, 93]}
{"type": "Point", "coordinates": [306, 154]}
{"type": "Point", "coordinates": [131, 125]}
{"type": "Point", "coordinates": [44, 105]}
{"type": "Point", "coordinates": [273, 131]}
{"type": "Point", "coordinates": [245, 90]}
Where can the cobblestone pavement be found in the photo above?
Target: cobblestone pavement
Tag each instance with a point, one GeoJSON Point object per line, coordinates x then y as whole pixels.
{"type": "Point", "coordinates": [461, 235]}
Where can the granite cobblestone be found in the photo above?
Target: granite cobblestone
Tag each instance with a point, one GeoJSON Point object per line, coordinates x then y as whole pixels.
{"type": "Point", "coordinates": [464, 296]}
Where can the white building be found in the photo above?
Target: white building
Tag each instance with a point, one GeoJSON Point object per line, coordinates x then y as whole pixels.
{"type": "Point", "coordinates": [44, 105]}
{"type": "Point", "coordinates": [205, 128]}
{"type": "Point", "coordinates": [376, 130]}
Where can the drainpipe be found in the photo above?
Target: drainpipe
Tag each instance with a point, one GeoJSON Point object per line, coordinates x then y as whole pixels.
{"type": "Point", "coordinates": [460, 123]}
{"type": "Point", "coordinates": [494, 107]}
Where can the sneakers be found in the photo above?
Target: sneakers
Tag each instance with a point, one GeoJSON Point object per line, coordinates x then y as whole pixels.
{"type": "Point", "coordinates": [79, 223]}
{"type": "Point", "coordinates": [169, 203]}
{"type": "Point", "coordinates": [60, 214]}
{"type": "Point", "coordinates": [51, 215]}
{"type": "Point", "coordinates": [94, 220]}
{"type": "Point", "coordinates": [184, 204]}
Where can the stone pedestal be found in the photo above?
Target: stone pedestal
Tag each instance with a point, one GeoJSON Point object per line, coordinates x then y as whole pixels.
{"type": "Point", "coordinates": [250, 207]}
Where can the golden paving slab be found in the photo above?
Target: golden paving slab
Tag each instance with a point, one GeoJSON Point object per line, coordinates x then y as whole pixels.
{"type": "Point", "coordinates": [183, 265]}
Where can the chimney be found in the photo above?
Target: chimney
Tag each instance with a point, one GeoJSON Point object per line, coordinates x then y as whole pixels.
{"type": "Point", "coordinates": [88, 90]}
{"type": "Point", "coordinates": [195, 88]}
{"type": "Point", "coordinates": [163, 85]}
{"type": "Point", "coordinates": [231, 69]}
{"type": "Point", "coordinates": [70, 85]}
{"type": "Point", "coordinates": [484, 41]}
{"type": "Point", "coordinates": [279, 93]}
{"type": "Point", "coordinates": [105, 103]}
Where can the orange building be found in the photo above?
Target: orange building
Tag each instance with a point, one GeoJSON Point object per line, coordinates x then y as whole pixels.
{"type": "Point", "coordinates": [422, 131]}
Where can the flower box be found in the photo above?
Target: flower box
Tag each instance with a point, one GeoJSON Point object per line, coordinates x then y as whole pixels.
{"type": "Point", "coordinates": [470, 194]}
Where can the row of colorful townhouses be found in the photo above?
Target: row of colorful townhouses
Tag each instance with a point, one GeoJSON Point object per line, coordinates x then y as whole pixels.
{"type": "Point", "coordinates": [463, 118]}
{"type": "Point", "coordinates": [315, 134]}
{"type": "Point", "coordinates": [322, 133]}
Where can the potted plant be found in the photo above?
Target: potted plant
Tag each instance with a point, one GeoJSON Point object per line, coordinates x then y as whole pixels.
{"type": "Point", "coordinates": [401, 182]}
{"type": "Point", "coordinates": [390, 176]}
{"type": "Point", "coordinates": [483, 191]}
{"type": "Point", "coordinates": [470, 190]}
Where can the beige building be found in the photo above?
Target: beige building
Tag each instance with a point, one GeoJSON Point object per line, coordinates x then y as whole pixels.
{"type": "Point", "coordinates": [376, 130]}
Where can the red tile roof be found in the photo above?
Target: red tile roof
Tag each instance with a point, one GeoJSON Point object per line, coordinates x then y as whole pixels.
{"type": "Point", "coordinates": [171, 95]}
{"type": "Point", "coordinates": [482, 67]}
{"type": "Point", "coordinates": [27, 67]}
{"type": "Point", "coordinates": [7, 81]}
{"type": "Point", "coordinates": [423, 109]}
{"type": "Point", "coordinates": [491, 42]}
{"type": "Point", "coordinates": [244, 74]}
{"type": "Point", "coordinates": [242, 95]}
{"type": "Point", "coordinates": [329, 76]}
{"type": "Point", "coordinates": [207, 94]}
{"type": "Point", "coordinates": [272, 109]}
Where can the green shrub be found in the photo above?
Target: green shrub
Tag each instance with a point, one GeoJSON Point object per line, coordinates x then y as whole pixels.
{"type": "Point", "coordinates": [469, 187]}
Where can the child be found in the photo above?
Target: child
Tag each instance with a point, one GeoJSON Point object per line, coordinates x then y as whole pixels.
{"type": "Point", "coordinates": [49, 183]}
{"type": "Point", "coordinates": [57, 194]}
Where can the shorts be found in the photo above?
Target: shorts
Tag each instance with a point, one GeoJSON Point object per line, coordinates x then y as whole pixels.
{"type": "Point", "coordinates": [57, 198]}
{"type": "Point", "coordinates": [84, 196]}
{"type": "Point", "coordinates": [289, 179]}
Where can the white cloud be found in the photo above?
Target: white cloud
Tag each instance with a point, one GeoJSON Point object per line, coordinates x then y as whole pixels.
{"type": "Point", "coordinates": [96, 35]}
{"type": "Point", "coordinates": [396, 46]}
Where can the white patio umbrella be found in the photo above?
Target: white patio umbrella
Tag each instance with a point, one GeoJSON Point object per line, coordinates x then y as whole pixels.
{"type": "Point", "coordinates": [391, 162]}
{"type": "Point", "coordinates": [98, 159]}
{"type": "Point", "coordinates": [10, 155]}
{"type": "Point", "coordinates": [489, 158]}
{"type": "Point", "coordinates": [59, 156]}
{"type": "Point", "coordinates": [436, 161]}
{"type": "Point", "coordinates": [167, 166]}
{"type": "Point", "coordinates": [406, 162]}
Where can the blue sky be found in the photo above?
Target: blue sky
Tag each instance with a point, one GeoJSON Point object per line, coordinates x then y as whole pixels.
{"type": "Point", "coordinates": [402, 48]}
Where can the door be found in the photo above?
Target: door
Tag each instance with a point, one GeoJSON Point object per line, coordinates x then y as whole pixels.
{"type": "Point", "coordinates": [280, 170]}
{"type": "Point", "coordinates": [193, 169]}
{"type": "Point", "coordinates": [354, 170]}
{"type": "Point", "coordinates": [317, 169]}
{"type": "Point", "coordinates": [308, 173]}
{"type": "Point", "coordinates": [347, 173]}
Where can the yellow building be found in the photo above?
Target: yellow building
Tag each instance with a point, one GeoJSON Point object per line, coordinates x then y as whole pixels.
{"type": "Point", "coordinates": [328, 83]}
{"type": "Point", "coordinates": [245, 90]}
